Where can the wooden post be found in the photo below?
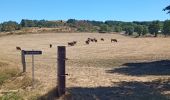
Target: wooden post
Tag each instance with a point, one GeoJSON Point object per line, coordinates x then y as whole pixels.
{"type": "Point", "coordinates": [61, 70]}
{"type": "Point", "coordinates": [23, 60]}
{"type": "Point", "coordinates": [33, 71]}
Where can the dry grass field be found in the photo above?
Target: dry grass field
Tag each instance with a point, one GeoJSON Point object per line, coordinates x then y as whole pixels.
{"type": "Point", "coordinates": [131, 69]}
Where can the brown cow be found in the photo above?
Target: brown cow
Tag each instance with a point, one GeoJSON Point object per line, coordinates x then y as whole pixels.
{"type": "Point", "coordinates": [102, 39]}
{"type": "Point", "coordinates": [114, 40]}
{"type": "Point", "coordinates": [88, 39]}
{"type": "Point", "coordinates": [18, 48]}
{"type": "Point", "coordinates": [51, 45]}
{"type": "Point", "coordinates": [95, 40]}
{"type": "Point", "coordinates": [70, 44]}
{"type": "Point", "coordinates": [92, 40]}
{"type": "Point", "coordinates": [87, 42]}
{"type": "Point", "coordinates": [75, 42]}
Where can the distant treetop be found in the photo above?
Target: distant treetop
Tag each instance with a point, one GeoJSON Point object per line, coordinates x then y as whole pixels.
{"type": "Point", "coordinates": [167, 9]}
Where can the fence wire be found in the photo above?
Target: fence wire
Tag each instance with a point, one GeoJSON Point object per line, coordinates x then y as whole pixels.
{"type": "Point", "coordinates": [46, 67]}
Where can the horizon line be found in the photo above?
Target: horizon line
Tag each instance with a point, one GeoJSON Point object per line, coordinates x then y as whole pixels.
{"type": "Point", "coordinates": [83, 20]}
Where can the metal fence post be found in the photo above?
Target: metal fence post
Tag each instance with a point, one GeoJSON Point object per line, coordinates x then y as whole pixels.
{"type": "Point", "coordinates": [61, 70]}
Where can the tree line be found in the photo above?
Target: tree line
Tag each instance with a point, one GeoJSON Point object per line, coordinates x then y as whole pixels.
{"type": "Point", "coordinates": [129, 28]}
{"type": "Point", "coordinates": [12, 25]}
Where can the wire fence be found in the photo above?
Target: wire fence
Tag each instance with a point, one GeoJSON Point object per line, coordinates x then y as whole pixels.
{"type": "Point", "coordinates": [46, 67]}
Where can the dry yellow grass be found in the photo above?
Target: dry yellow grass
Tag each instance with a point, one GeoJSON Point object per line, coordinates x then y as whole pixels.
{"type": "Point", "coordinates": [87, 64]}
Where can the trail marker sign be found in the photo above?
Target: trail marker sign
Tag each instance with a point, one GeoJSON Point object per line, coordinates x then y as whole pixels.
{"type": "Point", "coordinates": [32, 52]}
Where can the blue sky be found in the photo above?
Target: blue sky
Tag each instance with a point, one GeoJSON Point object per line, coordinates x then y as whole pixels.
{"type": "Point", "coordinates": [122, 10]}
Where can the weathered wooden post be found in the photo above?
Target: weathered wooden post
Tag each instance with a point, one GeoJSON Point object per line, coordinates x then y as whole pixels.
{"type": "Point", "coordinates": [23, 60]}
{"type": "Point", "coordinates": [61, 78]}
{"type": "Point", "coordinates": [33, 70]}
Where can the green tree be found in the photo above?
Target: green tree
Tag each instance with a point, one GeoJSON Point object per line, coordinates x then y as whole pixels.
{"type": "Point", "coordinates": [154, 28]}
{"type": "Point", "coordinates": [28, 23]}
{"type": "Point", "coordinates": [10, 26]}
{"type": "Point", "coordinates": [167, 9]}
{"type": "Point", "coordinates": [117, 29]}
{"type": "Point", "coordinates": [104, 28]}
{"type": "Point", "coordinates": [41, 23]}
{"type": "Point", "coordinates": [72, 21]}
{"type": "Point", "coordinates": [0, 27]}
{"type": "Point", "coordinates": [166, 28]}
{"type": "Point", "coordinates": [129, 30]}
{"type": "Point", "coordinates": [139, 29]}
{"type": "Point", "coordinates": [145, 30]}
{"type": "Point", "coordinates": [23, 23]}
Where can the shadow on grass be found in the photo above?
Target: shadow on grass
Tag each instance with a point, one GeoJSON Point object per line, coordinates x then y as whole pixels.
{"type": "Point", "coordinates": [120, 91]}
{"type": "Point", "coordinates": [144, 68]}
{"type": "Point", "coordinates": [51, 95]}
{"type": "Point", "coordinates": [123, 91]}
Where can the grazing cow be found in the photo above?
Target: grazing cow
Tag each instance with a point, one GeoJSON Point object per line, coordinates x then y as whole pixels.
{"type": "Point", "coordinates": [102, 39]}
{"type": "Point", "coordinates": [87, 42]}
{"type": "Point", "coordinates": [92, 40]}
{"type": "Point", "coordinates": [88, 39]}
{"type": "Point", "coordinates": [95, 40]}
{"type": "Point", "coordinates": [114, 40]}
{"type": "Point", "coordinates": [75, 42]}
{"type": "Point", "coordinates": [18, 48]}
{"type": "Point", "coordinates": [51, 45]}
{"type": "Point", "coordinates": [70, 44]}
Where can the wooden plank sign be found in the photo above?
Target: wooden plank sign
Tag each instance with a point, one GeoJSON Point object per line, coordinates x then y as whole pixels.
{"type": "Point", "coordinates": [32, 52]}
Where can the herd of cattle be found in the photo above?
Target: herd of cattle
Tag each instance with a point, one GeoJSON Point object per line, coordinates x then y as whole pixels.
{"type": "Point", "coordinates": [90, 40]}
{"type": "Point", "coordinates": [73, 43]}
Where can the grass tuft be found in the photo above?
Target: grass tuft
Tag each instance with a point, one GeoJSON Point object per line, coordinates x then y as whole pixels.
{"type": "Point", "coordinates": [11, 96]}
